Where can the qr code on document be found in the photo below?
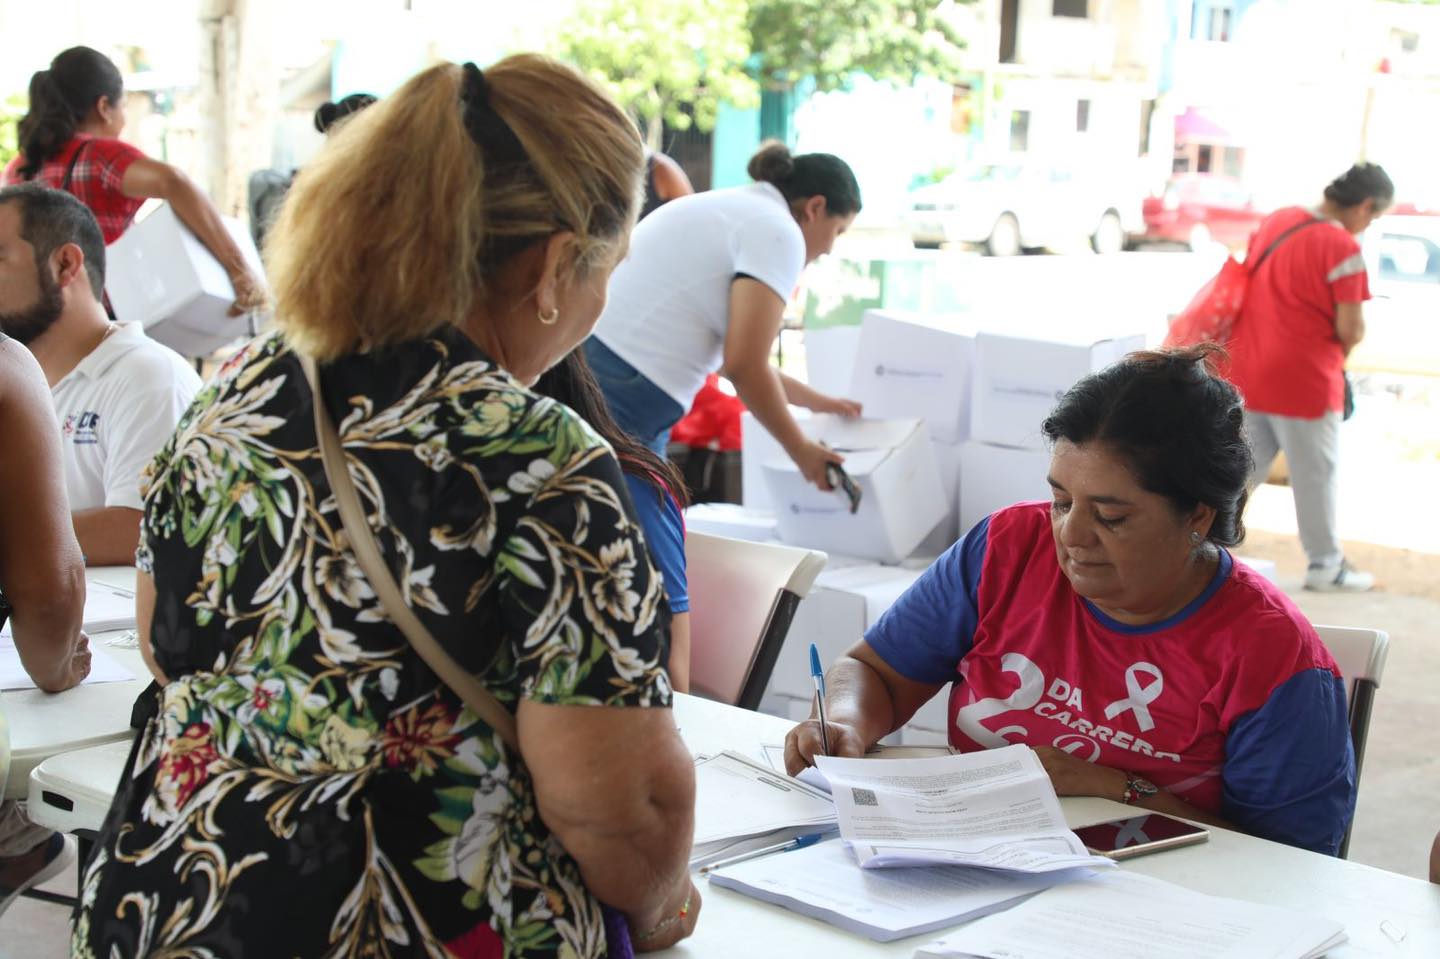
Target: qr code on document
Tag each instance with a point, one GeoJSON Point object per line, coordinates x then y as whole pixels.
{"type": "Point", "coordinates": [864, 797]}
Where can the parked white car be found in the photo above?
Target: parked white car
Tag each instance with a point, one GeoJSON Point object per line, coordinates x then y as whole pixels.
{"type": "Point", "coordinates": [1402, 322]}
{"type": "Point", "coordinates": [1010, 207]}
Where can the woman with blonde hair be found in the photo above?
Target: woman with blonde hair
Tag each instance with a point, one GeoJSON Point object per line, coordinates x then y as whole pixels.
{"type": "Point", "coordinates": [310, 786]}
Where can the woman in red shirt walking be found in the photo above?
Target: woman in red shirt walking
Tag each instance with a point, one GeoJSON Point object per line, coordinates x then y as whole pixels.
{"type": "Point", "coordinates": [1301, 318]}
{"type": "Point", "coordinates": [69, 140]}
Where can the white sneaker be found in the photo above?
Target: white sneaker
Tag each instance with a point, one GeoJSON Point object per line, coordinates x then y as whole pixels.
{"type": "Point", "coordinates": [1340, 578]}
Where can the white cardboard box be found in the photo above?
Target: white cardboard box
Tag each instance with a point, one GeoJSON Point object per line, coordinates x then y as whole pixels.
{"type": "Point", "coordinates": [732, 520]}
{"type": "Point", "coordinates": [159, 275]}
{"type": "Point", "coordinates": [830, 358]}
{"type": "Point", "coordinates": [1018, 381]}
{"type": "Point", "coordinates": [893, 464]}
{"type": "Point", "coordinates": [909, 364]}
{"type": "Point", "coordinates": [947, 531]}
{"type": "Point", "coordinates": [1265, 567]}
{"type": "Point", "coordinates": [992, 477]}
{"type": "Point", "coordinates": [758, 447]}
{"type": "Point", "coordinates": [842, 605]}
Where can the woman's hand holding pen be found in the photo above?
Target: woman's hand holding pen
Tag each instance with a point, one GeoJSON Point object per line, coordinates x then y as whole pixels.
{"type": "Point", "coordinates": [803, 743]}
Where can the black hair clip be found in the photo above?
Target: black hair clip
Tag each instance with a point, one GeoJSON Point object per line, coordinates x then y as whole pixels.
{"type": "Point", "coordinates": [497, 142]}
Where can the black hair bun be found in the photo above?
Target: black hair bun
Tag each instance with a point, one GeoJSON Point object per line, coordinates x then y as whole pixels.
{"type": "Point", "coordinates": [328, 114]}
{"type": "Point", "coordinates": [772, 163]}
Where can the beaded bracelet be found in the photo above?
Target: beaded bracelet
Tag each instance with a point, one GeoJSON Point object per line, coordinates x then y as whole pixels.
{"type": "Point", "coordinates": [669, 921]}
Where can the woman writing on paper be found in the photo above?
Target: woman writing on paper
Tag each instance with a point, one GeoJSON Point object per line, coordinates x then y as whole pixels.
{"type": "Point", "coordinates": [309, 787]}
{"type": "Point", "coordinates": [1112, 630]}
{"type": "Point", "coordinates": [704, 287]}
{"type": "Point", "coordinates": [69, 140]}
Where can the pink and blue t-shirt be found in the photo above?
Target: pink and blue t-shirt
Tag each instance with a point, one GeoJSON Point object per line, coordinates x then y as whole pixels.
{"type": "Point", "coordinates": [1233, 704]}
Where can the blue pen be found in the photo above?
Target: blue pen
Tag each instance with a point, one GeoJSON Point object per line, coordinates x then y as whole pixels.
{"type": "Point", "coordinates": [799, 842]}
{"type": "Point", "coordinates": [818, 674]}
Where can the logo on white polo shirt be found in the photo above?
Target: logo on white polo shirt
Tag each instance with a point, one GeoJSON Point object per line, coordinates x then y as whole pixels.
{"type": "Point", "coordinates": [82, 428]}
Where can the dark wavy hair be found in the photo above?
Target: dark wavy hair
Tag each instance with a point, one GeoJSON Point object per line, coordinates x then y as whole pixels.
{"type": "Point", "coordinates": [806, 175]}
{"type": "Point", "coordinates": [1363, 181]}
{"type": "Point", "coordinates": [571, 382]}
{"type": "Point", "coordinates": [60, 99]}
{"type": "Point", "coordinates": [1178, 425]}
{"type": "Point", "coordinates": [328, 114]}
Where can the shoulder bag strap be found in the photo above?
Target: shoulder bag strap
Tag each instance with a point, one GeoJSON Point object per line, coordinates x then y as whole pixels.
{"type": "Point", "coordinates": [1281, 239]}
{"type": "Point", "coordinates": [367, 554]}
{"type": "Point", "coordinates": [70, 170]}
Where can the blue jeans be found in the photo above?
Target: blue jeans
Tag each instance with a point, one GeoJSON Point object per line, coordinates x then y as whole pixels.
{"type": "Point", "coordinates": [640, 408]}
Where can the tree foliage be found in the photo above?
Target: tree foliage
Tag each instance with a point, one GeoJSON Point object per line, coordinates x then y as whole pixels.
{"type": "Point", "coordinates": [674, 61]}
{"type": "Point", "coordinates": [12, 108]}
{"type": "Point", "coordinates": [829, 40]}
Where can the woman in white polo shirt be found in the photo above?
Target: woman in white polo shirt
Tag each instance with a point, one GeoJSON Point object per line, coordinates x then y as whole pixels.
{"type": "Point", "coordinates": [704, 288]}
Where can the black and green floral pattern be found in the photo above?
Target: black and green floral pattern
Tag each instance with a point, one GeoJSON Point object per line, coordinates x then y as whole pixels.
{"type": "Point", "coordinates": [308, 787]}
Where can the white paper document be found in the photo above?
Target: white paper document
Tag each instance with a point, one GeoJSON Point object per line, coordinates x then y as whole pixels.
{"type": "Point", "coordinates": [995, 809]}
{"type": "Point", "coordinates": [106, 608]}
{"type": "Point", "coordinates": [774, 754]}
{"type": "Point", "coordinates": [103, 669]}
{"type": "Point", "coordinates": [1127, 914]}
{"type": "Point", "coordinates": [823, 881]}
{"type": "Point", "coordinates": [741, 803]}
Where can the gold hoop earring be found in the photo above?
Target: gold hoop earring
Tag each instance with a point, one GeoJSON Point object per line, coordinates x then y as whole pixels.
{"type": "Point", "coordinates": [550, 318]}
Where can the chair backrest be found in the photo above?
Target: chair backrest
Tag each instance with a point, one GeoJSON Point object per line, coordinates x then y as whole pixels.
{"type": "Point", "coordinates": [1360, 654]}
{"type": "Point", "coordinates": [743, 596]}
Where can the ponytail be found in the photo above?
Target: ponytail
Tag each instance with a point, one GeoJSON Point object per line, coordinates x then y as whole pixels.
{"type": "Point", "coordinates": [60, 99]}
{"type": "Point", "coordinates": [809, 174]}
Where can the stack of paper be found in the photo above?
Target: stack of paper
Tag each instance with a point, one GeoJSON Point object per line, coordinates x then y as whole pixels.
{"type": "Point", "coordinates": [106, 608]}
{"type": "Point", "coordinates": [740, 805]}
{"type": "Point", "coordinates": [995, 809]}
{"type": "Point", "coordinates": [1126, 914]}
{"type": "Point", "coordinates": [822, 881]}
{"type": "Point", "coordinates": [774, 754]}
{"type": "Point", "coordinates": [103, 669]}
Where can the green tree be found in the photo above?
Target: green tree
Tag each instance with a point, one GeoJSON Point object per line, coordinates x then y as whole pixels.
{"type": "Point", "coordinates": [666, 61]}
{"type": "Point", "coordinates": [829, 40]}
{"type": "Point", "coordinates": [12, 108]}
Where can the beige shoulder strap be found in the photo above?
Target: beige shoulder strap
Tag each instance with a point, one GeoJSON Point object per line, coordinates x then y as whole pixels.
{"type": "Point", "coordinates": [367, 554]}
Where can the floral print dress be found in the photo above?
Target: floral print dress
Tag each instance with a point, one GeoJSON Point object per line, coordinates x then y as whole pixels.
{"type": "Point", "coordinates": [308, 787]}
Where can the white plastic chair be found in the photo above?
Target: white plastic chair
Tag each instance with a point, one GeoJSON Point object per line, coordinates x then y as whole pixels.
{"type": "Point", "coordinates": [1360, 654]}
{"type": "Point", "coordinates": [72, 791]}
{"type": "Point", "coordinates": [743, 596]}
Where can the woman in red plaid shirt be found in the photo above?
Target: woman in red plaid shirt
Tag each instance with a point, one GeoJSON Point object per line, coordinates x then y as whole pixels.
{"type": "Point", "coordinates": [68, 140]}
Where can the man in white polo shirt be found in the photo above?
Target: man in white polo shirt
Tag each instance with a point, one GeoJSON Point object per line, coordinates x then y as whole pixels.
{"type": "Point", "coordinates": [118, 394]}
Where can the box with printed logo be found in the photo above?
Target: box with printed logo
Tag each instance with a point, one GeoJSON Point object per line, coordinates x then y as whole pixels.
{"type": "Point", "coordinates": [913, 364]}
{"type": "Point", "coordinates": [159, 275]}
{"type": "Point", "coordinates": [901, 494]}
{"type": "Point", "coordinates": [1018, 381]}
